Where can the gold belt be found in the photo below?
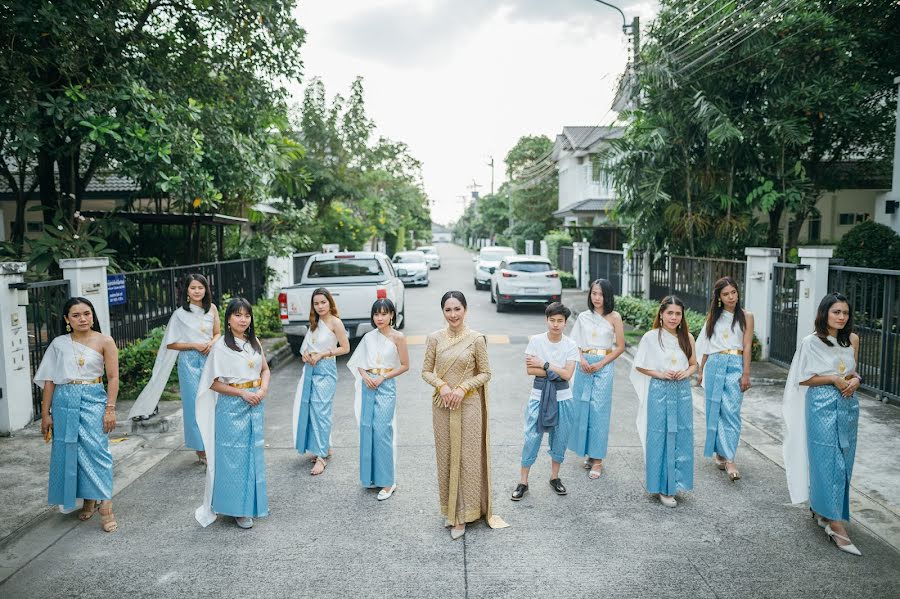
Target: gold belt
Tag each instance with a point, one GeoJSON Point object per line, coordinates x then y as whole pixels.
{"type": "Point", "coordinates": [732, 352]}
{"type": "Point", "coordinates": [379, 371]}
{"type": "Point", "coordinates": [597, 352]}
{"type": "Point", "coordinates": [247, 385]}
{"type": "Point", "coordinates": [97, 380]}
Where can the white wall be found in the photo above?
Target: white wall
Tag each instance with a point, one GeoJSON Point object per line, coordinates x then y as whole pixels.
{"type": "Point", "coordinates": [881, 215]}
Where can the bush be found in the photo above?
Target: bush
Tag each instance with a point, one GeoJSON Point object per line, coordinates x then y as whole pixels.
{"type": "Point", "coordinates": [870, 245]}
{"type": "Point", "coordinates": [266, 317]}
{"type": "Point", "coordinates": [641, 313]}
{"type": "Point", "coordinates": [567, 279]}
{"type": "Point", "coordinates": [555, 240]}
{"type": "Point", "coordinates": [136, 364]}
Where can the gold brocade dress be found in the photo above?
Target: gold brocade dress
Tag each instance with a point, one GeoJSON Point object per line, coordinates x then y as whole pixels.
{"type": "Point", "coordinates": [461, 438]}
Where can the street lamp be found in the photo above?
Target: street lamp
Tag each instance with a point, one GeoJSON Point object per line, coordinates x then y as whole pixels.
{"type": "Point", "coordinates": [625, 26]}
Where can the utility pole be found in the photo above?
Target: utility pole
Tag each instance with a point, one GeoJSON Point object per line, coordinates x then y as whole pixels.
{"type": "Point", "coordinates": [491, 164]}
{"type": "Point", "coordinates": [474, 187]}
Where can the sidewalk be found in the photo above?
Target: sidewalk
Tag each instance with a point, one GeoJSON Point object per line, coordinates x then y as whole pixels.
{"type": "Point", "coordinates": [875, 487]}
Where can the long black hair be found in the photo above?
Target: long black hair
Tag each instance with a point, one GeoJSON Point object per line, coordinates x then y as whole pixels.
{"type": "Point", "coordinates": [383, 306]}
{"type": "Point", "coordinates": [716, 308]}
{"type": "Point", "coordinates": [843, 335]}
{"type": "Point", "coordinates": [609, 296]}
{"type": "Point", "coordinates": [684, 340]}
{"type": "Point", "coordinates": [457, 295]}
{"type": "Point", "coordinates": [236, 305]}
{"type": "Point", "coordinates": [74, 301]}
{"type": "Point", "coordinates": [207, 297]}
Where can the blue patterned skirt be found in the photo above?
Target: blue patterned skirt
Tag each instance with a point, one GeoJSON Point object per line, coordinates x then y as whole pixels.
{"type": "Point", "coordinates": [316, 403]}
{"type": "Point", "coordinates": [722, 378]}
{"type": "Point", "coordinates": [592, 394]}
{"type": "Point", "coordinates": [831, 426]}
{"type": "Point", "coordinates": [670, 437]}
{"type": "Point", "coordinates": [376, 435]}
{"type": "Point", "coordinates": [239, 487]}
{"type": "Point", "coordinates": [190, 366]}
{"type": "Point", "coordinates": [80, 461]}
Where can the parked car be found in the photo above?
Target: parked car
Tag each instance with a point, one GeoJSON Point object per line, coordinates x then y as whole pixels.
{"type": "Point", "coordinates": [432, 256]}
{"type": "Point", "coordinates": [354, 279]}
{"type": "Point", "coordinates": [412, 268]}
{"type": "Point", "coordinates": [487, 260]}
{"type": "Point", "coordinates": [525, 280]}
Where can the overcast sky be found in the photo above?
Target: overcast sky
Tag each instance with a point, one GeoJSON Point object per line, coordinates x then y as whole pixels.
{"type": "Point", "coordinates": [461, 80]}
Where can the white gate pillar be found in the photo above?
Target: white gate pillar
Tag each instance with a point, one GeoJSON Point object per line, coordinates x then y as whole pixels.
{"type": "Point", "coordinates": [813, 282]}
{"type": "Point", "coordinates": [15, 374]}
{"type": "Point", "coordinates": [626, 269]}
{"type": "Point", "coordinates": [87, 279]}
{"type": "Point", "coordinates": [757, 296]}
{"type": "Point", "coordinates": [545, 249]}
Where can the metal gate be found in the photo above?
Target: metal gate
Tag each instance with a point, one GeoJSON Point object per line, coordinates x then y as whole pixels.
{"type": "Point", "coordinates": [45, 321]}
{"type": "Point", "coordinates": [785, 303]}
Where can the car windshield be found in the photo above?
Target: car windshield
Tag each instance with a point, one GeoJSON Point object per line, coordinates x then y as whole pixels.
{"type": "Point", "coordinates": [495, 255]}
{"type": "Point", "coordinates": [428, 250]}
{"type": "Point", "coordinates": [412, 258]}
{"type": "Point", "coordinates": [528, 266]}
{"type": "Point", "coordinates": [352, 267]}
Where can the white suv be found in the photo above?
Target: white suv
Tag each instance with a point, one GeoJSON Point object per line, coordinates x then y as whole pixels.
{"type": "Point", "coordinates": [431, 255]}
{"type": "Point", "coordinates": [525, 280]}
{"type": "Point", "coordinates": [487, 261]}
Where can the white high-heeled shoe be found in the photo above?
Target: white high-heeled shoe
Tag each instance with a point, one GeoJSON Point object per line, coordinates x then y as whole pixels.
{"type": "Point", "coordinates": [848, 548]}
{"type": "Point", "coordinates": [667, 500]}
{"type": "Point", "coordinates": [382, 494]}
{"type": "Point", "coordinates": [457, 533]}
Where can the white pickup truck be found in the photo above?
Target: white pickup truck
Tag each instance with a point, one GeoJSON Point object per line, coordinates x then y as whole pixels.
{"type": "Point", "coordinates": [355, 280]}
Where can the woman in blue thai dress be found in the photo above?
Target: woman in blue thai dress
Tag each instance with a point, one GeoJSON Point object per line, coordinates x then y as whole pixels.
{"type": "Point", "coordinates": [314, 399]}
{"type": "Point", "coordinates": [379, 359]}
{"type": "Point", "coordinates": [665, 360]}
{"type": "Point", "coordinates": [77, 413]}
{"type": "Point", "coordinates": [230, 411]}
{"type": "Point", "coordinates": [600, 336]}
{"type": "Point", "coordinates": [724, 346]}
{"type": "Point", "coordinates": [821, 416]}
{"type": "Point", "coordinates": [190, 334]}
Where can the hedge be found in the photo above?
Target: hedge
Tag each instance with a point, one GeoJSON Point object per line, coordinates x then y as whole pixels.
{"type": "Point", "coordinates": [641, 313]}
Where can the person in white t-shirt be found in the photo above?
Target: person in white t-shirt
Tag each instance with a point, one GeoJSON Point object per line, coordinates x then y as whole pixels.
{"type": "Point", "coordinates": [550, 358]}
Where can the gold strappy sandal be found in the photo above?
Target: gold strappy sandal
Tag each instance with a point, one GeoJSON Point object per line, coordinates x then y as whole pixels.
{"type": "Point", "coordinates": [87, 510]}
{"type": "Point", "coordinates": [108, 519]}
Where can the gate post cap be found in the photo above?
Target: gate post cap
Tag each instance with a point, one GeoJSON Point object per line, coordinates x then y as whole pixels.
{"type": "Point", "coordinates": [83, 262]}
{"type": "Point", "coordinates": [762, 252]}
{"type": "Point", "coordinates": [816, 252]}
{"type": "Point", "coordinates": [13, 268]}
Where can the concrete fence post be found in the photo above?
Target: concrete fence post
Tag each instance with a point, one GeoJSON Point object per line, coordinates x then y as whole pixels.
{"type": "Point", "coordinates": [813, 282]}
{"type": "Point", "coordinates": [646, 274]}
{"type": "Point", "coordinates": [15, 375]}
{"type": "Point", "coordinates": [545, 249]}
{"type": "Point", "coordinates": [529, 247]}
{"type": "Point", "coordinates": [757, 295]}
{"type": "Point", "coordinates": [583, 267]}
{"type": "Point", "coordinates": [283, 266]}
{"type": "Point", "coordinates": [87, 279]}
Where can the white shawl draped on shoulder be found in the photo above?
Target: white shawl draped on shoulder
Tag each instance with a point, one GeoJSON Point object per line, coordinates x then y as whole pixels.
{"type": "Point", "coordinates": [320, 340]}
{"type": "Point", "coordinates": [228, 366]}
{"type": "Point", "coordinates": [813, 358]}
{"type": "Point", "coordinates": [658, 350]}
{"type": "Point", "coordinates": [195, 326]}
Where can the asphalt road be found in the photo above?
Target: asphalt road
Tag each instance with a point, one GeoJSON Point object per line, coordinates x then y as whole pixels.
{"type": "Point", "coordinates": [328, 537]}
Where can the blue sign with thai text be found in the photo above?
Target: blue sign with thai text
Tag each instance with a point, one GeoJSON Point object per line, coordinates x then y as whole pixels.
{"type": "Point", "coordinates": [115, 285]}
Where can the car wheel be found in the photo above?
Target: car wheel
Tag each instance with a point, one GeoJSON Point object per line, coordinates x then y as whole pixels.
{"type": "Point", "coordinates": [501, 307]}
{"type": "Point", "coordinates": [493, 299]}
{"type": "Point", "coordinates": [475, 281]}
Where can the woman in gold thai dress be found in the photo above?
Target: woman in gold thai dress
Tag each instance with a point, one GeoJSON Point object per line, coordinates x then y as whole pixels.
{"type": "Point", "coordinates": [456, 365]}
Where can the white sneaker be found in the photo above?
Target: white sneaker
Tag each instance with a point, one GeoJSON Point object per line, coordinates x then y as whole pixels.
{"type": "Point", "coordinates": [667, 500]}
{"type": "Point", "coordinates": [382, 494]}
{"type": "Point", "coordinates": [244, 521]}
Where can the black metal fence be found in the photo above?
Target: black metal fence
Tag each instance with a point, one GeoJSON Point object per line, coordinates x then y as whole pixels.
{"type": "Point", "coordinates": [785, 303]}
{"type": "Point", "coordinates": [152, 295]}
{"type": "Point", "coordinates": [636, 274]}
{"type": "Point", "coordinates": [607, 264]}
{"type": "Point", "coordinates": [45, 321]}
{"type": "Point", "coordinates": [566, 257]}
{"type": "Point", "coordinates": [692, 278]}
{"type": "Point", "coordinates": [874, 295]}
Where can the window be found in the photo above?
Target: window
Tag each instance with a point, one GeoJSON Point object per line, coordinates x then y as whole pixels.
{"type": "Point", "coordinates": [529, 267]}
{"type": "Point", "coordinates": [815, 229]}
{"type": "Point", "coordinates": [850, 218]}
{"type": "Point", "coordinates": [354, 267]}
{"type": "Point", "coordinates": [34, 226]}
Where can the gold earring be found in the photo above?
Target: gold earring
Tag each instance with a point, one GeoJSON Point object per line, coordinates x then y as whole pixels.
{"type": "Point", "coordinates": [68, 328]}
{"type": "Point", "coordinates": [720, 302]}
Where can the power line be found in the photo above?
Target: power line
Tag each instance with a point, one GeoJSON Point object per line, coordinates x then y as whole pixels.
{"type": "Point", "coordinates": [688, 42]}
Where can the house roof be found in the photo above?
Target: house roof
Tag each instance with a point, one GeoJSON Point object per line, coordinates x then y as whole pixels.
{"type": "Point", "coordinates": [103, 186]}
{"type": "Point", "coordinates": [584, 140]}
{"type": "Point", "coordinates": [585, 207]}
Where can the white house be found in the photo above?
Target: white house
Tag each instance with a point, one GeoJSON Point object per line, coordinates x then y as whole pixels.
{"type": "Point", "coordinates": [585, 196]}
